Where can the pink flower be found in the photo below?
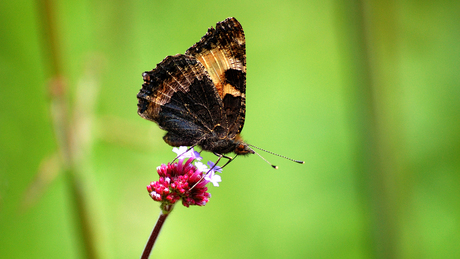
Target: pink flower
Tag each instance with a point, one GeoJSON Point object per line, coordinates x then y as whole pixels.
{"type": "Point", "coordinates": [184, 181]}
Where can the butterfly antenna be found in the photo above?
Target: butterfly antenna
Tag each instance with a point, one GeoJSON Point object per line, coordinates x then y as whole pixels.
{"type": "Point", "coordinates": [293, 160]}
{"type": "Point", "coordinates": [274, 166]}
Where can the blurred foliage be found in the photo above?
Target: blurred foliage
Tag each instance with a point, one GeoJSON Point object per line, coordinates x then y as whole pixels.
{"type": "Point", "coordinates": [367, 93]}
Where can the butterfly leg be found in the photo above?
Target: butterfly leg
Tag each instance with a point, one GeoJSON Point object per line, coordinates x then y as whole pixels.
{"type": "Point", "coordinates": [215, 164]}
{"type": "Point", "coordinates": [204, 175]}
{"type": "Point", "coordinates": [230, 159]}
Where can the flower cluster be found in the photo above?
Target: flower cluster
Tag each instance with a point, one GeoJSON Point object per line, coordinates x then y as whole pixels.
{"type": "Point", "coordinates": [184, 180]}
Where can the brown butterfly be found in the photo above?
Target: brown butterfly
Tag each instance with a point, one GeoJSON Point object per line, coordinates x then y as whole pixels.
{"type": "Point", "coordinates": [199, 98]}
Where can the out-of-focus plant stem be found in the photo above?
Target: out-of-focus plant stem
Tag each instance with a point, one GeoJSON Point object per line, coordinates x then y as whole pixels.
{"type": "Point", "coordinates": [368, 41]}
{"type": "Point", "coordinates": [63, 127]}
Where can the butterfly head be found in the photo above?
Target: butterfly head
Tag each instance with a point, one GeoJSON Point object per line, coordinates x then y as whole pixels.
{"type": "Point", "coordinates": [243, 149]}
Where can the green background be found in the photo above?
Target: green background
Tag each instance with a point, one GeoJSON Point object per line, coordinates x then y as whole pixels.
{"type": "Point", "coordinates": [366, 92]}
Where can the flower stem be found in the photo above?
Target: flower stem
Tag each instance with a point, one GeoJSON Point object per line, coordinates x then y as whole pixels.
{"type": "Point", "coordinates": [156, 230]}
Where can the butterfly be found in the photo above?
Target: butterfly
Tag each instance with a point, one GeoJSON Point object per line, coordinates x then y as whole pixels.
{"type": "Point", "coordinates": [199, 97]}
